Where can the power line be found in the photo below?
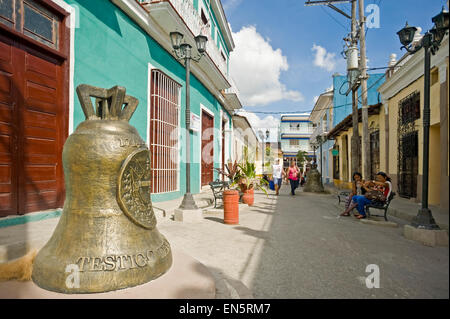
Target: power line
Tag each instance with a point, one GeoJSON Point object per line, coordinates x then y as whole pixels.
{"type": "Point", "coordinates": [346, 28]}
{"type": "Point", "coordinates": [316, 110]}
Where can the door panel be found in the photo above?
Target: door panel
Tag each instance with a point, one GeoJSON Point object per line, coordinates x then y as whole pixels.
{"type": "Point", "coordinates": [31, 131]}
{"type": "Point", "coordinates": [207, 148]}
{"type": "Point", "coordinates": [8, 137]}
{"type": "Point", "coordinates": [42, 112]}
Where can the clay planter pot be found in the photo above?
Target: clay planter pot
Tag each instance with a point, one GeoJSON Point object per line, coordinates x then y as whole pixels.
{"type": "Point", "coordinates": [231, 206]}
{"type": "Point", "coordinates": [248, 197]}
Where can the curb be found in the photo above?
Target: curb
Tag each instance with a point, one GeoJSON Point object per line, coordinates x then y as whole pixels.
{"type": "Point", "coordinates": [32, 217]}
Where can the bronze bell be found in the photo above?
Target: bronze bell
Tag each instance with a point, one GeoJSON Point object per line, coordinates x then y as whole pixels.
{"type": "Point", "coordinates": [106, 238]}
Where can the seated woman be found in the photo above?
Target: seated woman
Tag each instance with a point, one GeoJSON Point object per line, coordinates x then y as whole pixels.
{"type": "Point", "coordinates": [358, 188]}
{"type": "Point", "coordinates": [382, 186]}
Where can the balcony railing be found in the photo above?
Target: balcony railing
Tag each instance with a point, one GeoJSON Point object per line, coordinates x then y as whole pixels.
{"type": "Point", "coordinates": [297, 148]}
{"type": "Point", "coordinates": [304, 131]}
{"type": "Point", "coordinates": [192, 19]}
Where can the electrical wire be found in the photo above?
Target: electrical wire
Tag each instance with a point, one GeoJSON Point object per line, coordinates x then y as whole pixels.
{"type": "Point", "coordinates": [315, 110]}
{"type": "Point", "coordinates": [346, 28]}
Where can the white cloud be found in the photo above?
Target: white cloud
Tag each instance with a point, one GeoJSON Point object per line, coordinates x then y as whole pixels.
{"type": "Point", "coordinates": [268, 123]}
{"type": "Point", "coordinates": [231, 4]}
{"type": "Point", "coordinates": [324, 59]}
{"type": "Point", "coordinates": [256, 67]}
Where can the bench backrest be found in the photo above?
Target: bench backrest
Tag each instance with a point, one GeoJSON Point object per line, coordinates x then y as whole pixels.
{"type": "Point", "coordinates": [218, 185]}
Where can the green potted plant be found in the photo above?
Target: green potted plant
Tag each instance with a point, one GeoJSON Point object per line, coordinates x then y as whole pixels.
{"type": "Point", "coordinates": [248, 181]}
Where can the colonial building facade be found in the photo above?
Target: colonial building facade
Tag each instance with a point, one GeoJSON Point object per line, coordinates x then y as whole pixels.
{"type": "Point", "coordinates": [295, 131]}
{"type": "Point", "coordinates": [322, 119]}
{"type": "Point", "coordinates": [49, 47]}
{"type": "Point", "coordinates": [402, 137]}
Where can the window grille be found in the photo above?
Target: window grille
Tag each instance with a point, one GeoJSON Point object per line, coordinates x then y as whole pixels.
{"type": "Point", "coordinates": [164, 132]}
{"type": "Point", "coordinates": [410, 108]}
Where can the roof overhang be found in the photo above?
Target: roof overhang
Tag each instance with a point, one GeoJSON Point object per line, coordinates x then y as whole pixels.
{"type": "Point", "coordinates": [223, 23]}
{"type": "Point", "coordinates": [232, 102]}
{"type": "Point", "coordinates": [321, 106]}
{"type": "Point", "coordinates": [347, 122]}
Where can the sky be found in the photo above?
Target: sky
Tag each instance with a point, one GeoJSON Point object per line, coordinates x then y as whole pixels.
{"type": "Point", "coordinates": [286, 52]}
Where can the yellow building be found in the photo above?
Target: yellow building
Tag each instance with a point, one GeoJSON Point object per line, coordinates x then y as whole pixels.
{"type": "Point", "coordinates": [342, 134]}
{"type": "Point", "coordinates": [401, 130]}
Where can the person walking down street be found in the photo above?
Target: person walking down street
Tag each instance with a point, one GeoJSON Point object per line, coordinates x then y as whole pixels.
{"type": "Point", "coordinates": [378, 190]}
{"type": "Point", "coordinates": [278, 174]}
{"type": "Point", "coordinates": [293, 176]}
{"type": "Point", "coordinates": [358, 188]}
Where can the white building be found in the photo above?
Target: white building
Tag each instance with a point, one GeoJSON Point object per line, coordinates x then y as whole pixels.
{"type": "Point", "coordinates": [295, 131]}
{"type": "Point", "coordinates": [321, 117]}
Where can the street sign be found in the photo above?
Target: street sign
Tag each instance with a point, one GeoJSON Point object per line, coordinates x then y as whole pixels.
{"type": "Point", "coordinates": [335, 152]}
{"type": "Point", "coordinates": [194, 122]}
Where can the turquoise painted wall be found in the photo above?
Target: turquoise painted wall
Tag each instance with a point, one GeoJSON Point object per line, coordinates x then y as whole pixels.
{"type": "Point", "coordinates": [110, 49]}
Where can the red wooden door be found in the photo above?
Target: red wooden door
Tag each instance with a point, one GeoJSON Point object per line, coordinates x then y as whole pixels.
{"type": "Point", "coordinates": [207, 148]}
{"type": "Point", "coordinates": [8, 133]}
{"type": "Point", "coordinates": [32, 130]}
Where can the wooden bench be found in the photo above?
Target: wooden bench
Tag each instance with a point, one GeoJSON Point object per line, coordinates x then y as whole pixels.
{"type": "Point", "coordinates": [380, 205]}
{"type": "Point", "coordinates": [217, 188]}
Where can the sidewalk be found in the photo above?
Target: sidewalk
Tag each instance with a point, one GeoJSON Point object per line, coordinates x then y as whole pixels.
{"type": "Point", "coordinates": [406, 209]}
{"type": "Point", "coordinates": [20, 234]}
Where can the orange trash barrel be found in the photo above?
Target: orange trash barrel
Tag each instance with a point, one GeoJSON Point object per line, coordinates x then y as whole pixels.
{"type": "Point", "coordinates": [231, 206]}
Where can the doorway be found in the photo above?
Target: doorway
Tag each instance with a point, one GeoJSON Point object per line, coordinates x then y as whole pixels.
{"type": "Point", "coordinates": [207, 155]}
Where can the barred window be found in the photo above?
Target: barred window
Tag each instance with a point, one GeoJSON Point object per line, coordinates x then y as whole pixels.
{"type": "Point", "coordinates": [164, 132]}
{"type": "Point", "coordinates": [410, 108]}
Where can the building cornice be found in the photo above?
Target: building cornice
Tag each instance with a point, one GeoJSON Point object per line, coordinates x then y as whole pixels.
{"type": "Point", "coordinates": [412, 70]}
{"type": "Point", "coordinates": [223, 23]}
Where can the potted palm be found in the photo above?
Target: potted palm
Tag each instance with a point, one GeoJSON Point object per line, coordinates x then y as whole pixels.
{"type": "Point", "coordinates": [248, 181]}
{"type": "Point", "coordinates": [230, 195]}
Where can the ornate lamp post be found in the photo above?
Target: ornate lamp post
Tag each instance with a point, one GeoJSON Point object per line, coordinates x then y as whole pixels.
{"type": "Point", "coordinates": [183, 52]}
{"type": "Point", "coordinates": [430, 43]}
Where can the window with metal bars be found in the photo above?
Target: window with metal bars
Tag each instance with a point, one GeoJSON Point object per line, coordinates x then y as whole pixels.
{"type": "Point", "coordinates": [164, 132]}
{"type": "Point", "coordinates": [410, 108]}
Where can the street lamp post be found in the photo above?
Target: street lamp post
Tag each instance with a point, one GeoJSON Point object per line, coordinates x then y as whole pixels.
{"type": "Point", "coordinates": [183, 52]}
{"type": "Point", "coordinates": [430, 43]}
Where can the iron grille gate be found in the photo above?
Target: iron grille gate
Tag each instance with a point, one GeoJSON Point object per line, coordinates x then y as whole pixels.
{"type": "Point", "coordinates": [374, 153]}
{"type": "Point", "coordinates": [408, 145]}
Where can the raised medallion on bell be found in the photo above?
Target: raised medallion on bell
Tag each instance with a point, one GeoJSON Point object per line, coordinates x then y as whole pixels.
{"type": "Point", "coordinates": [106, 238]}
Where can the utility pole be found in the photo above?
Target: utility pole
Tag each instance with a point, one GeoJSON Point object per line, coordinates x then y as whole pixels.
{"type": "Point", "coordinates": [365, 109]}
{"type": "Point", "coordinates": [350, 74]}
{"type": "Point", "coordinates": [355, 136]}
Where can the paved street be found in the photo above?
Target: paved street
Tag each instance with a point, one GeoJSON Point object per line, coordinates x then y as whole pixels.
{"type": "Point", "coordinates": [297, 247]}
{"type": "Point", "coordinates": [290, 247]}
